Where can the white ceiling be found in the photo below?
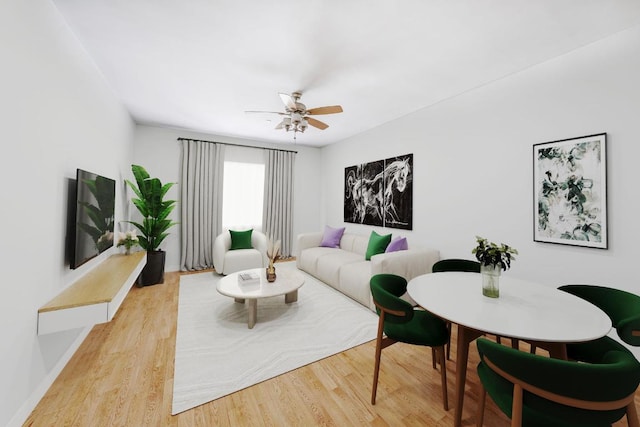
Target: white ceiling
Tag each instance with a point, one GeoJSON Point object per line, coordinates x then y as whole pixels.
{"type": "Point", "coordinates": [200, 64]}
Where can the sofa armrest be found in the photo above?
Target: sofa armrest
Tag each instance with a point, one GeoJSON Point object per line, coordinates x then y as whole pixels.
{"type": "Point", "coordinates": [259, 242]}
{"type": "Point", "coordinates": [408, 264]}
{"type": "Point", "coordinates": [308, 240]}
{"type": "Point", "coordinates": [220, 247]}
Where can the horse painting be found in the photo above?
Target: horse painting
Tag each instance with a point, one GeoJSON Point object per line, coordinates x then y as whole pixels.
{"type": "Point", "coordinates": [380, 193]}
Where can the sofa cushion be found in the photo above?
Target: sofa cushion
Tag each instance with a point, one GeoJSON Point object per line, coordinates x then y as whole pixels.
{"type": "Point", "coordinates": [354, 243]}
{"type": "Point", "coordinates": [329, 265]}
{"type": "Point", "coordinates": [397, 244]}
{"type": "Point", "coordinates": [240, 239]}
{"type": "Point", "coordinates": [308, 258]}
{"type": "Point", "coordinates": [241, 259]}
{"type": "Point", "coordinates": [377, 244]}
{"type": "Point", "coordinates": [331, 237]}
{"type": "Point", "coordinates": [354, 282]}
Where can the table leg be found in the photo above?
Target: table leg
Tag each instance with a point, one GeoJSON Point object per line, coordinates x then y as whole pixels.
{"type": "Point", "coordinates": [465, 336]}
{"type": "Point", "coordinates": [557, 350]}
{"type": "Point", "coordinates": [291, 297]}
{"type": "Point", "coordinates": [252, 307]}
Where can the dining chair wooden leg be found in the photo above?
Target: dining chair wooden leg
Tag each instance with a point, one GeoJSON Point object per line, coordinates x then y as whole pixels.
{"type": "Point", "coordinates": [516, 409]}
{"type": "Point", "coordinates": [376, 369]}
{"type": "Point", "coordinates": [481, 403]}
{"type": "Point", "coordinates": [433, 357]}
{"type": "Point", "coordinates": [443, 377]}
{"type": "Point", "coordinates": [632, 415]}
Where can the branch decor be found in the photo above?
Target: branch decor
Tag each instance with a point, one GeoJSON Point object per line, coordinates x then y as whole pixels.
{"type": "Point", "coordinates": [273, 252]}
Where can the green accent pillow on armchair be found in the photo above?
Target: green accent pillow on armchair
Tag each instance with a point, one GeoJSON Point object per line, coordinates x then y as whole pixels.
{"type": "Point", "coordinates": [377, 244]}
{"type": "Point", "coordinates": [240, 239]}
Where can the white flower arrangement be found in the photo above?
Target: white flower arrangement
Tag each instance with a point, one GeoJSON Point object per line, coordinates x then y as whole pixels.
{"type": "Point", "coordinates": [128, 240]}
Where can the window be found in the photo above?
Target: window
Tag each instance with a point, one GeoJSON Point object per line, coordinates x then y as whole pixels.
{"type": "Point", "coordinates": [242, 195]}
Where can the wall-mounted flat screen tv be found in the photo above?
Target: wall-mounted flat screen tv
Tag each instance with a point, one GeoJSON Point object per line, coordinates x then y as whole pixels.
{"type": "Point", "coordinates": [94, 209]}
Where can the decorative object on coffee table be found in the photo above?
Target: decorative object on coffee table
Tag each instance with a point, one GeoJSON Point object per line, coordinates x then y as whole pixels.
{"type": "Point", "coordinates": [493, 259]}
{"type": "Point", "coordinates": [273, 251]}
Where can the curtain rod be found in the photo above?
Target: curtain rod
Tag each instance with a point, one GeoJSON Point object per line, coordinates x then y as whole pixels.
{"type": "Point", "coordinates": [237, 145]}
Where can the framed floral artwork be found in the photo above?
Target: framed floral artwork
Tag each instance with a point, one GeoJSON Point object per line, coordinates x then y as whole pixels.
{"type": "Point", "coordinates": [570, 191]}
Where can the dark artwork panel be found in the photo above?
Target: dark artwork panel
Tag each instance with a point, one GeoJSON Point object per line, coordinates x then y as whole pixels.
{"type": "Point", "coordinates": [372, 189]}
{"type": "Point", "coordinates": [352, 194]}
{"type": "Point", "coordinates": [398, 192]}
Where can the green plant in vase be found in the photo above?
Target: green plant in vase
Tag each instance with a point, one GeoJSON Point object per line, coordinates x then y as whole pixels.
{"type": "Point", "coordinates": [128, 239]}
{"type": "Point", "coordinates": [493, 259]}
{"type": "Point", "coordinates": [155, 212]}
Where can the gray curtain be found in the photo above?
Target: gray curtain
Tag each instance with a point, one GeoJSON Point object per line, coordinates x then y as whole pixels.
{"type": "Point", "coordinates": [201, 181]}
{"type": "Point", "coordinates": [277, 218]}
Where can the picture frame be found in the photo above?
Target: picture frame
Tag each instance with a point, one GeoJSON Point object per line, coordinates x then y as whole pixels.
{"type": "Point", "coordinates": [570, 191]}
{"type": "Point", "coordinates": [380, 193]}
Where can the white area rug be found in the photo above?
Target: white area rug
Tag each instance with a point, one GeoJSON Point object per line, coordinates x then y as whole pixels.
{"type": "Point", "coordinates": [217, 354]}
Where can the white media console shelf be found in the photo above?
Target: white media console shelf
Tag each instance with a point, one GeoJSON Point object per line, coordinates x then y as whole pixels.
{"type": "Point", "coordinates": [95, 297]}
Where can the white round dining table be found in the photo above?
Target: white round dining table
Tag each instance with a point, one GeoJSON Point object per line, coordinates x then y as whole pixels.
{"type": "Point", "coordinates": [537, 313]}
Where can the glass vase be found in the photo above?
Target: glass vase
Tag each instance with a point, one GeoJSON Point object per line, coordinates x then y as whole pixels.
{"type": "Point", "coordinates": [271, 272]}
{"type": "Point", "coordinates": [490, 280]}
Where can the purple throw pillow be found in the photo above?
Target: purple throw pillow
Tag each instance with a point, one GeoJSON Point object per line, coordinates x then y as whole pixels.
{"type": "Point", "coordinates": [332, 236]}
{"type": "Point", "coordinates": [397, 244]}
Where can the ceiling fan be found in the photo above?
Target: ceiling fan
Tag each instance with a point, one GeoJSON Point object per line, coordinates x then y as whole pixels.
{"type": "Point", "coordinates": [297, 115]}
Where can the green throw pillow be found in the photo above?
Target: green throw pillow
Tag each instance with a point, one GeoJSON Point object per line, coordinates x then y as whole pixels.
{"type": "Point", "coordinates": [240, 239]}
{"type": "Point", "coordinates": [377, 244]}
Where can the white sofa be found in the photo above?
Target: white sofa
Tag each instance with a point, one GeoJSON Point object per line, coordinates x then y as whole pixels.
{"type": "Point", "coordinates": [346, 269]}
{"type": "Point", "coordinates": [226, 261]}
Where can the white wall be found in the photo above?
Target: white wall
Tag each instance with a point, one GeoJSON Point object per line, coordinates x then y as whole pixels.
{"type": "Point", "coordinates": [158, 150]}
{"type": "Point", "coordinates": [57, 115]}
{"type": "Point", "coordinates": [473, 162]}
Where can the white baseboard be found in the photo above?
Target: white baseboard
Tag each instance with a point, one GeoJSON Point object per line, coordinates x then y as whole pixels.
{"type": "Point", "coordinates": [29, 405]}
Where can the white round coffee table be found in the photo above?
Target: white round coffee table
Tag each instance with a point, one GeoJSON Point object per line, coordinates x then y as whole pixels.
{"type": "Point", "coordinates": [287, 283]}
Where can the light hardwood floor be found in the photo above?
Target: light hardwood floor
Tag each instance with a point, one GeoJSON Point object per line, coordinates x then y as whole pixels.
{"type": "Point", "coordinates": [122, 375]}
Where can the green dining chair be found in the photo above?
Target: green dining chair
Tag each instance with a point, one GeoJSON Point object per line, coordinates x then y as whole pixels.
{"type": "Point", "coordinates": [622, 307]}
{"type": "Point", "coordinates": [535, 390]}
{"type": "Point", "coordinates": [400, 322]}
{"type": "Point", "coordinates": [456, 264]}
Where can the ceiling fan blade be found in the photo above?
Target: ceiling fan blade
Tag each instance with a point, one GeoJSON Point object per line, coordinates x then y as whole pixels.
{"type": "Point", "coordinates": [280, 125]}
{"type": "Point", "coordinates": [288, 100]}
{"type": "Point", "coordinates": [330, 109]}
{"type": "Point", "coordinates": [266, 112]}
{"type": "Point", "coordinates": [316, 123]}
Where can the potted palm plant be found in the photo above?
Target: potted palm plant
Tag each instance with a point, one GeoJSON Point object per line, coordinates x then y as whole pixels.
{"type": "Point", "coordinates": [493, 259]}
{"type": "Point", "coordinates": [155, 212]}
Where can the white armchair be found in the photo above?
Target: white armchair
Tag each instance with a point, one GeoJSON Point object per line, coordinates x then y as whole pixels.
{"type": "Point", "coordinates": [226, 261]}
